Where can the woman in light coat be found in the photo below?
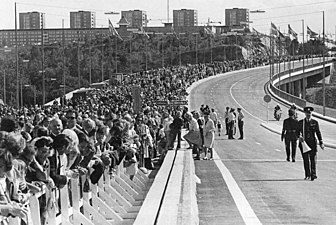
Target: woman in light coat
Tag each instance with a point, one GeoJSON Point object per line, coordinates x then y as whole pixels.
{"type": "Point", "coordinates": [209, 135]}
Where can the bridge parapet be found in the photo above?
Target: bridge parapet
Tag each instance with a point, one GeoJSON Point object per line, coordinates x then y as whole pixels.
{"type": "Point", "coordinates": [295, 94]}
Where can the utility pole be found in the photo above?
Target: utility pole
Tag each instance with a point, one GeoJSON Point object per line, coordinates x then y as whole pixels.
{"type": "Point", "coordinates": [4, 86]}
{"type": "Point", "coordinates": [43, 75]}
{"type": "Point", "coordinates": [63, 43]}
{"type": "Point", "coordinates": [17, 61]}
{"type": "Point", "coordinates": [78, 61]}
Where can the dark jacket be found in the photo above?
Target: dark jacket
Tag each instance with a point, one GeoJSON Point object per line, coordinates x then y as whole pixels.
{"type": "Point", "coordinates": [55, 170]}
{"type": "Point", "coordinates": [177, 124]}
{"type": "Point", "coordinates": [311, 131]}
{"type": "Point", "coordinates": [290, 129]}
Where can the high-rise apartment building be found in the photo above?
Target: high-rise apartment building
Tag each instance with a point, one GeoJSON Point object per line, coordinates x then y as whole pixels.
{"type": "Point", "coordinates": [82, 19]}
{"type": "Point", "coordinates": [31, 20]}
{"type": "Point", "coordinates": [237, 17]}
{"type": "Point", "coordinates": [136, 18]}
{"type": "Point", "coordinates": [185, 18]}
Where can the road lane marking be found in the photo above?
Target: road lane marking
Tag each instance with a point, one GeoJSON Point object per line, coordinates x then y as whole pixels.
{"type": "Point", "coordinates": [238, 102]}
{"type": "Point", "coordinates": [278, 150]}
{"type": "Point", "coordinates": [245, 209]}
{"type": "Point", "coordinates": [258, 143]}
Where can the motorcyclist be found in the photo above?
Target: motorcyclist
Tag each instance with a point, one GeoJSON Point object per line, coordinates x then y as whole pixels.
{"type": "Point", "coordinates": [277, 110]}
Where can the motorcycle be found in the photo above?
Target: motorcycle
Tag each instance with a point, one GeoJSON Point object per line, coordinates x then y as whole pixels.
{"type": "Point", "coordinates": [277, 114]}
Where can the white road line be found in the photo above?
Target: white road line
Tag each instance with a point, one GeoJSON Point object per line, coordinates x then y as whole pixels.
{"type": "Point", "coordinates": [238, 102]}
{"type": "Point", "coordinates": [245, 209]}
{"type": "Point", "coordinates": [278, 150]}
{"type": "Point", "coordinates": [258, 143]}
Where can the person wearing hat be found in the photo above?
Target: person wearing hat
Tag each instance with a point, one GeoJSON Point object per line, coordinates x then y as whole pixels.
{"type": "Point", "coordinates": [241, 123]}
{"type": "Point", "coordinates": [309, 129]}
{"type": "Point", "coordinates": [289, 134]}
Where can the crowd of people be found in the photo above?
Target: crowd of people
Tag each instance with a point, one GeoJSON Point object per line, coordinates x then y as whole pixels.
{"type": "Point", "coordinates": [51, 145]}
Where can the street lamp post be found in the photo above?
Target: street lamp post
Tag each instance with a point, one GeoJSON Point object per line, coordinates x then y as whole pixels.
{"type": "Point", "coordinates": [26, 61]}
{"type": "Point", "coordinates": [323, 87]}
{"type": "Point", "coordinates": [34, 90]}
{"type": "Point", "coordinates": [4, 76]}
{"type": "Point", "coordinates": [196, 42]}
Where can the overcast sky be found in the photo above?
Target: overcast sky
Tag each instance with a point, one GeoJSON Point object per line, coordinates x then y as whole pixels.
{"type": "Point", "coordinates": [280, 12]}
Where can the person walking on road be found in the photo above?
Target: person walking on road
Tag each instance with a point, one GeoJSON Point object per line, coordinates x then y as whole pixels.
{"type": "Point", "coordinates": [309, 129]}
{"type": "Point", "coordinates": [290, 134]}
{"type": "Point", "coordinates": [241, 123]}
{"type": "Point", "coordinates": [209, 135]}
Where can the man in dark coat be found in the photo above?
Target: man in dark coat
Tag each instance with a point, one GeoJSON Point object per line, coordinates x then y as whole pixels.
{"type": "Point", "coordinates": [309, 128]}
{"type": "Point", "coordinates": [290, 134]}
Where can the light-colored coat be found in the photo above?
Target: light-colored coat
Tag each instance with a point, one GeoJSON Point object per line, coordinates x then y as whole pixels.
{"type": "Point", "coordinates": [209, 133]}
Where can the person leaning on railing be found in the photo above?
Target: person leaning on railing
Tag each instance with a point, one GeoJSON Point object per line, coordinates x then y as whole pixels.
{"type": "Point", "coordinates": [9, 198]}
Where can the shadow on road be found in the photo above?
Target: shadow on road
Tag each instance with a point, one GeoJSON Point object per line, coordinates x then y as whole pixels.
{"type": "Point", "coordinates": [276, 180]}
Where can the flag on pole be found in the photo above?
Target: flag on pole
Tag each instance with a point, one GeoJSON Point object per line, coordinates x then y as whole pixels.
{"type": "Point", "coordinates": [209, 32]}
{"type": "Point", "coordinates": [175, 34]}
{"type": "Point", "coordinates": [311, 33]}
{"type": "Point", "coordinates": [113, 31]}
{"type": "Point", "coordinates": [143, 32]}
{"type": "Point", "coordinates": [274, 30]}
{"type": "Point", "coordinates": [292, 32]}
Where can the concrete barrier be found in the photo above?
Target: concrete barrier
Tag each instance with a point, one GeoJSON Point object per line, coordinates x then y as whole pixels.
{"type": "Point", "coordinates": [116, 199]}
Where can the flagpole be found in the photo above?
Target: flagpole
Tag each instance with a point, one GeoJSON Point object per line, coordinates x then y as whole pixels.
{"type": "Point", "coordinates": [270, 55]}
{"type": "Point", "coordinates": [162, 52]}
{"type": "Point", "coordinates": [323, 87]}
{"type": "Point", "coordinates": [102, 56]}
{"type": "Point", "coordinates": [131, 54]}
{"type": "Point", "coordinates": [303, 64]}
{"type": "Point", "coordinates": [196, 48]}
{"type": "Point", "coordinates": [211, 48]}
{"type": "Point", "coordinates": [78, 61]}
{"type": "Point", "coordinates": [116, 57]}
{"type": "Point", "coordinates": [63, 48]}
{"type": "Point", "coordinates": [180, 51]}
{"type": "Point", "coordinates": [146, 55]}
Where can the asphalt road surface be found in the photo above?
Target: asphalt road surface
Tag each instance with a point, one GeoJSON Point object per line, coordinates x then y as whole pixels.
{"type": "Point", "coordinates": [249, 181]}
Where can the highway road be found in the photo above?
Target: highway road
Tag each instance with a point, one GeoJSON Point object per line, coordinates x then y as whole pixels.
{"type": "Point", "coordinates": [249, 181]}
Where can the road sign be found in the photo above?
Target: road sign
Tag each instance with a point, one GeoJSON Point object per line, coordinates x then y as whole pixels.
{"type": "Point", "coordinates": [162, 102]}
{"type": "Point", "coordinates": [267, 98]}
{"type": "Point", "coordinates": [179, 102]}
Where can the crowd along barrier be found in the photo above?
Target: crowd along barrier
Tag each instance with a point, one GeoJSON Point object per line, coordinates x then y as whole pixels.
{"type": "Point", "coordinates": [116, 199]}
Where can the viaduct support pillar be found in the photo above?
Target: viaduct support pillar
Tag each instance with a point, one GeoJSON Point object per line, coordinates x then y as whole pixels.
{"type": "Point", "coordinates": [304, 85]}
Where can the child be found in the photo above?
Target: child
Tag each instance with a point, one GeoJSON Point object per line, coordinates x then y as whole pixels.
{"type": "Point", "coordinates": [219, 127]}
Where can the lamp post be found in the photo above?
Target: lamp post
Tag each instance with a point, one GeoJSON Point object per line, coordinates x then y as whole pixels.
{"type": "Point", "coordinates": [196, 42]}
{"type": "Point", "coordinates": [34, 89]}
{"type": "Point", "coordinates": [6, 51]}
{"type": "Point", "coordinates": [25, 61]}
